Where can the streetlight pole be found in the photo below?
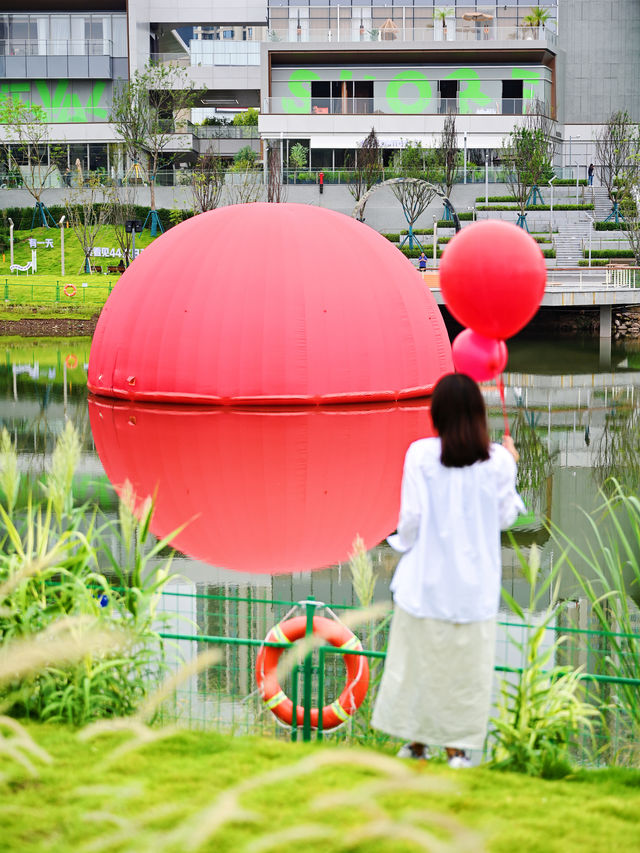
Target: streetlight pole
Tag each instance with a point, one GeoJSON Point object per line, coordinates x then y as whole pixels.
{"type": "Point", "coordinates": [465, 157]}
{"type": "Point", "coordinates": [551, 202]}
{"type": "Point", "coordinates": [486, 177]}
{"type": "Point", "coordinates": [61, 223]}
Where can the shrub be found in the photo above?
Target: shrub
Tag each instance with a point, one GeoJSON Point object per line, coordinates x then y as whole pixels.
{"type": "Point", "coordinates": [609, 226]}
{"type": "Point", "coordinates": [609, 253]}
{"type": "Point", "coordinates": [56, 561]}
{"type": "Point", "coordinates": [539, 713]}
{"type": "Point", "coordinates": [535, 207]}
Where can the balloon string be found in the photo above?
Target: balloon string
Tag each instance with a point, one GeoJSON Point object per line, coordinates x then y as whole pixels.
{"type": "Point", "coordinates": [500, 384]}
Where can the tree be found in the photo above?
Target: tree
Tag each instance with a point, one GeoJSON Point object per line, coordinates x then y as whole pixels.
{"type": "Point", "coordinates": [120, 207]}
{"type": "Point", "coordinates": [25, 145]}
{"type": "Point", "coordinates": [298, 157]}
{"type": "Point", "coordinates": [447, 156]}
{"type": "Point", "coordinates": [245, 185]}
{"type": "Point", "coordinates": [207, 183]}
{"type": "Point", "coordinates": [248, 118]}
{"type": "Point", "coordinates": [85, 215]}
{"type": "Point", "coordinates": [415, 189]}
{"type": "Point", "coordinates": [528, 155]}
{"type": "Point", "coordinates": [146, 112]}
{"type": "Point", "coordinates": [245, 157]}
{"type": "Point", "coordinates": [368, 168]}
{"type": "Point", "coordinates": [617, 149]}
{"type": "Point", "coordinates": [275, 188]}
{"type": "Point", "coordinates": [629, 195]}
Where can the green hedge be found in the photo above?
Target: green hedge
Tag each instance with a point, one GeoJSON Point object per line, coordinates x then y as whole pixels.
{"type": "Point", "coordinates": [595, 262]}
{"type": "Point", "coordinates": [609, 253]}
{"type": "Point", "coordinates": [549, 253]}
{"type": "Point", "coordinates": [22, 216]}
{"type": "Point", "coordinates": [609, 226]}
{"type": "Point", "coordinates": [535, 207]}
{"type": "Point", "coordinates": [415, 253]}
{"type": "Point", "coordinates": [568, 182]}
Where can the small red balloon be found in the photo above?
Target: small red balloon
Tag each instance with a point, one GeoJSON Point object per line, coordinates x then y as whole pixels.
{"type": "Point", "coordinates": [492, 278]}
{"type": "Point", "coordinates": [480, 358]}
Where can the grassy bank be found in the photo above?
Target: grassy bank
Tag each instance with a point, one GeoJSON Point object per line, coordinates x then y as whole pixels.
{"type": "Point", "coordinates": [247, 790]}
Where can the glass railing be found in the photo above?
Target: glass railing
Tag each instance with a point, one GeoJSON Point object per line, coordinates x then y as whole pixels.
{"type": "Point", "coordinates": [349, 30]}
{"type": "Point", "coordinates": [224, 131]}
{"type": "Point", "coordinates": [395, 106]}
{"type": "Point", "coordinates": [56, 47]}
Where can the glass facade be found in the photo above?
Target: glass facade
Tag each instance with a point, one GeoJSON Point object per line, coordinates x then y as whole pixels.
{"type": "Point", "coordinates": [37, 34]}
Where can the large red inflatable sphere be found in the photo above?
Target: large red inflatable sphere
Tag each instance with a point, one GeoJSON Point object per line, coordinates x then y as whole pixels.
{"type": "Point", "coordinates": [269, 303]}
{"type": "Point", "coordinates": [492, 277]}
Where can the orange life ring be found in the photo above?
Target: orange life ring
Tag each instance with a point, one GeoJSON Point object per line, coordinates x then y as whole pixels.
{"type": "Point", "coordinates": [338, 635]}
{"type": "Point", "coordinates": [71, 361]}
{"type": "Point", "coordinates": [70, 289]}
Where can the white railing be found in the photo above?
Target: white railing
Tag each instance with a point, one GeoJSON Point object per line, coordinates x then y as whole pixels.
{"type": "Point", "coordinates": [347, 29]}
{"type": "Point", "coordinates": [392, 106]}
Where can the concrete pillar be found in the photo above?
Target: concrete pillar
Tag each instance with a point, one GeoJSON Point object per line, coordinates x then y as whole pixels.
{"type": "Point", "coordinates": [605, 353]}
{"type": "Point", "coordinates": [605, 321]}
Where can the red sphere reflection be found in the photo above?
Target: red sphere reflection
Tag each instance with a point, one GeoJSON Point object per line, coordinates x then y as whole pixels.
{"type": "Point", "coordinates": [270, 491]}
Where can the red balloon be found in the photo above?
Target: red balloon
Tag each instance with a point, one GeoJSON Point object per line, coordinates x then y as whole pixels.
{"type": "Point", "coordinates": [492, 278]}
{"type": "Point", "coordinates": [269, 304]}
{"type": "Point", "coordinates": [480, 358]}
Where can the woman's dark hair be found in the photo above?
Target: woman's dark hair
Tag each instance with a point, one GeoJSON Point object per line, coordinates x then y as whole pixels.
{"type": "Point", "coordinates": [460, 418]}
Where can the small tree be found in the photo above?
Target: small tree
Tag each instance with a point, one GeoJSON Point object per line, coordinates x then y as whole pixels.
{"type": "Point", "coordinates": [536, 19]}
{"type": "Point", "coordinates": [147, 110]}
{"type": "Point", "coordinates": [207, 183]}
{"type": "Point", "coordinates": [528, 155]}
{"type": "Point", "coordinates": [245, 185]}
{"type": "Point", "coordinates": [120, 207]}
{"type": "Point", "coordinates": [298, 157]}
{"type": "Point", "coordinates": [447, 156]}
{"type": "Point", "coordinates": [26, 138]}
{"type": "Point", "coordinates": [617, 149]}
{"type": "Point", "coordinates": [244, 158]}
{"type": "Point", "coordinates": [85, 215]}
{"type": "Point", "coordinates": [368, 168]}
{"type": "Point", "coordinates": [248, 118]}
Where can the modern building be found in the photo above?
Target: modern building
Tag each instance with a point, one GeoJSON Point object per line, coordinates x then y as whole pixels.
{"type": "Point", "coordinates": [325, 72]}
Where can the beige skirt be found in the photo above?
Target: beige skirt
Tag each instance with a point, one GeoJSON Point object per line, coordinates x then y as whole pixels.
{"type": "Point", "coordinates": [436, 686]}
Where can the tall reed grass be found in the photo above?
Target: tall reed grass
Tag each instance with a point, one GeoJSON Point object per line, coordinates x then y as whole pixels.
{"type": "Point", "coordinates": [59, 562]}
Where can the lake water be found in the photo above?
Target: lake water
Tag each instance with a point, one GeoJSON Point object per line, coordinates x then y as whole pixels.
{"type": "Point", "coordinates": [272, 501]}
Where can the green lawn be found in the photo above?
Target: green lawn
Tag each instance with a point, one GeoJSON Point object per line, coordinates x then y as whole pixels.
{"type": "Point", "coordinates": [46, 289]}
{"type": "Point", "coordinates": [237, 793]}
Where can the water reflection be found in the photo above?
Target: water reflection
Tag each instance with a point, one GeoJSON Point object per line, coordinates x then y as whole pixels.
{"type": "Point", "coordinates": [268, 491]}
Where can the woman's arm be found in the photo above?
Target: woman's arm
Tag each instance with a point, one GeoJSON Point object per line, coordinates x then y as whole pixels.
{"type": "Point", "coordinates": [410, 509]}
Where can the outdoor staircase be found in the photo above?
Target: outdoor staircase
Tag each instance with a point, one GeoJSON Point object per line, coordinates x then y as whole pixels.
{"type": "Point", "coordinates": [570, 241]}
{"type": "Point", "coordinates": [601, 201]}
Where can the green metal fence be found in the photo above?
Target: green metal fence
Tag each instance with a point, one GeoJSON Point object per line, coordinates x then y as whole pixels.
{"type": "Point", "coordinates": [27, 288]}
{"type": "Point", "coordinates": [225, 697]}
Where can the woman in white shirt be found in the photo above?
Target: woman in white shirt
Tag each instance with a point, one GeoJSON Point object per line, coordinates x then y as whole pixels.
{"type": "Point", "coordinates": [458, 492]}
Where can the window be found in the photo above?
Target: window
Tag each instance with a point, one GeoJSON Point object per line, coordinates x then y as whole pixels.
{"type": "Point", "coordinates": [512, 97]}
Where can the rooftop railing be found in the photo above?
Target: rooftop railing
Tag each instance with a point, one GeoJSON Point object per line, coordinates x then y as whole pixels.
{"type": "Point", "coordinates": [349, 30]}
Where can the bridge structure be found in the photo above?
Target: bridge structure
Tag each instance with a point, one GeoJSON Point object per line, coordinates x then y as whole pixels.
{"type": "Point", "coordinates": [575, 289]}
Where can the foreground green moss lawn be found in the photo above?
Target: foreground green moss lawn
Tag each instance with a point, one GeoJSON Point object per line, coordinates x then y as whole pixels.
{"type": "Point", "coordinates": [152, 799]}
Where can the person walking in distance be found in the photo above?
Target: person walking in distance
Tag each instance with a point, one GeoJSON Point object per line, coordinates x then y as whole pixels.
{"type": "Point", "coordinates": [458, 492]}
{"type": "Point", "coordinates": [590, 174]}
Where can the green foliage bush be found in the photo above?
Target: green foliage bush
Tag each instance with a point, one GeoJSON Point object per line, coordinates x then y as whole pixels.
{"type": "Point", "coordinates": [595, 262]}
{"type": "Point", "coordinates": [536, 207]}
{"type": "Point", "coordinates": [22, 216]}
{"type": "Point", "coordinates": [609, 226]}
{"type": "Point", "coordinates": [609, 253]}
{"type": "Point", "coordinates": [58, 560]}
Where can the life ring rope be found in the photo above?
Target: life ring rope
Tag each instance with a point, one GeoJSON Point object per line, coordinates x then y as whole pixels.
{"type": "Point", "coordinates": [70, 289]}
{"type": "Point", "coordinates": [333, 632]}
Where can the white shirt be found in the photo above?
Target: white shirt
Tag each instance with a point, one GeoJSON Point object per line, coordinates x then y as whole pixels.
{"type": "Point", "coordinates": [449, 533]}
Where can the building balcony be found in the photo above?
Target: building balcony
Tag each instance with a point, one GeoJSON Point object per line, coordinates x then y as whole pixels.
{"type": "Point", "coordinates": [394, 106]}
{"type": "Point", "coordinates": [349, 31]}
{"type": "Point", "coordinates": [46, 58]}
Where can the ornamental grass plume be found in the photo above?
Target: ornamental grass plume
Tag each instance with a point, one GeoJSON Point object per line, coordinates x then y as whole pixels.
{"type": "Point", "coordinates": [64, 462]}
{"type": "Point", "coordinates": [9, 474]}
{"type": "Point", "coordinates": [362, 574]}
